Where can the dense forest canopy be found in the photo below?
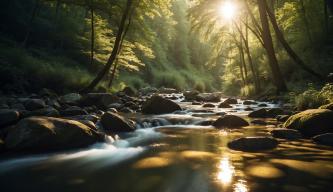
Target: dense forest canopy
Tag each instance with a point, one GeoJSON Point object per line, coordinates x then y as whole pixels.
{"type": "Point", "coordinates": [240, 47]}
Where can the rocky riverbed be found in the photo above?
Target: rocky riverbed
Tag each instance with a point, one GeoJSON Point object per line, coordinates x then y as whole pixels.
{"type": "Point", "coordinates": [162, 140]}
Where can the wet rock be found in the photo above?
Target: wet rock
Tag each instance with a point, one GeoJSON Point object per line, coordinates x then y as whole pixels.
{"type": "Point", "coordinates": [159, 105]}
{"type": "Point", "coordinates": [148, 90]}
{"type": "Point", "coordinates": [260, 113]}
{"type": "Point", "coordinates": [126, 110]}
{"type": "Point", "coordinates": [311, 122]}
{"type": "Point", "coordinates": [17, 106]}
{"type": "Point", "coordinates": [205, 123]}
{"type": "Point", "coordinates": [248, 109]}
{"type": "Point", "coordinates": [253, 144]}
{"type": "Point", "coordinates": [273, 112]}
{"type": "Point", "coordinates": [289, 134]}
{"type": "Point", "coordinates": [53, 103]}
{"type": "Point", "coordinates": [167, 90]}
{"type": "Point", "coordinates": [328, 106]}
{"type": "Point", "coordinates": [101, 100]}
{"type": "Point", "coordinates": [72, 111]}
{"type": "Point", "coordinates": [113, 122]}
{"type": "Point", "coordinates": [8, 117]}
{"type": "Point", "coordinates": [116, 106]}
{"type": "Point", "coordinates": [258, 122]}
{"type": "Point", "coordinates": [71, 98]}
{"type": "Point", "coordinates": [129, 91]}
{"type": "Point", "coordinates": [282, 118]}
{"type": "Point", "coordinates": [249, 102]}
{"type": "Point", "coordinates": [262, 105]}
{"type": "Point", "coordinates": [221, 113]}
{"type": "Point", "coordinates": [209, 97]}
{"type": "Point", "coordinates": [49, 133]}
{"type": "Point", "coordinates": [196, 103]}
{"type": "Point", "coordinates": [324, 139]}
{"type": "Point", "coordinates": [208, 105]}
{"type": "Point", "coordinates": [190, 95]}
{"type": "Point", "coordinates": [230, 101]}
{"type": "Point", "coordinates": [113, 110]}
{"type": "Point", "coordinates": [230, 121]}
{"type": "Point", "coordinates": [224, 105]}
{"type": "Point", "coordinates": [49, 112]}
{"type": "Point", "coordinates": [34, 104]}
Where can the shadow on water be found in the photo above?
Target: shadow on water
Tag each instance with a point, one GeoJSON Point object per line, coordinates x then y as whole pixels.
{"type": "Point", "coordinates": [180, 158]}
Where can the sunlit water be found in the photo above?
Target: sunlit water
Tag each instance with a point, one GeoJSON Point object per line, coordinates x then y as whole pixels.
{"type": "Point", "coordinates": [176, 154]}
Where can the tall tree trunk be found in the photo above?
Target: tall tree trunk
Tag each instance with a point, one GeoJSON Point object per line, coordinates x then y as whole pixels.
{"type": "Point", "coordinates": [92, 45]}
{"type": "Point", "coordinates": [241, 64]}
{"type": "Point", "coordinates": [29, 27]}
{"type": "Point", "coordinates": [289, 50]}
{"type": "Point", "coordinates": [116, 47]}
{"type": "Point", "coordinates": [268, 42]}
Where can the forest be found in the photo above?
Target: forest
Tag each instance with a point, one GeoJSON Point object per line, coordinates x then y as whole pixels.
{"type": "Point", "coordinates": [166, 95]}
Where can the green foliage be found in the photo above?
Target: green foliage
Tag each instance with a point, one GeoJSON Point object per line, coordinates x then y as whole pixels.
{"type": "Point", "coordinates": [313, 98]}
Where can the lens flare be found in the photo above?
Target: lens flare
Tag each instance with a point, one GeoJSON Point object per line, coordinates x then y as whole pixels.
{"type": "Point", "coordinates": [228, 10]}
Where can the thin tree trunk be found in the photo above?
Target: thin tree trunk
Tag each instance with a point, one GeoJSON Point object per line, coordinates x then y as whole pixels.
{"type": "Point", "coordinates": [29, 28]}
{"type": "Point", "coordinates": [241, 63]}
{"type": "Point", "coordinates": [116, 47]}
{"type": "Point", "coordinates": [92, 46]}
{"type": "Point", "coordinates": [268, 42]}
{"type": "Point", "coordinates": [306, 22]}
{"type": "Point", "coordinates": [289, 50]}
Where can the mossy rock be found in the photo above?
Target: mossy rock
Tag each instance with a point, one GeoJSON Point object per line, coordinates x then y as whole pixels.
{"type": "Point", "coordinates": [311, 122]}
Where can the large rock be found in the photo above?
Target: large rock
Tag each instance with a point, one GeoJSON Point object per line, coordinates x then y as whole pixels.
{"type": "Point", "coordinates": [8, 117]}
{"type": "Point", "coordinates": [101, 100]}
{"type": "Point", "coordinates": [328, 106]}
{"type": "Point", "coordinates": [190, 95]}
{"type": "Point", "coordinates": [324, 139]}
{"type": "Point", "coordinates": [230, 121]}
{"type": "Point", "coordinates": [289, 134]}
{"type": "Point", "coordinates": [260, 113]}
{"type": "Point", "coordinates": [209, 97]}
{"type": "Point", "coordinates": [208, 105]}
{"type": "Point", "coordinates": [73, 111]}
{"type": "Point", "coordinates": [49, 111]}
{"type": "Point", "coordinates": [71, 98]}
{"type": "Point", "coordinates": [34, 104]}
{"type": "Point", "coordinates": [49, 133]}
{"type": "Point", "coordinates": [311, 122]}
{"type": "Point", "coordinates": [224, 105]}
{"type": "Point", "coordinates": [230, 101]}
{"type": "Point", "coordinates": [253, 144]}
{"type": "Point", "coordinates": [113, 122]}
{"type": "Point", "coordinates": [273, 112]}
{"type": "Point", "coordinates": [159, 105]}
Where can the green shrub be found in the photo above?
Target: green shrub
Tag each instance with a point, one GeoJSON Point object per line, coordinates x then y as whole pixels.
{"type": "Point", "coordinates": [312, 98]}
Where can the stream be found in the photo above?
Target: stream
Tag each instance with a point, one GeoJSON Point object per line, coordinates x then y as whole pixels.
{"type": "Point", "coordinates": [177, 153]}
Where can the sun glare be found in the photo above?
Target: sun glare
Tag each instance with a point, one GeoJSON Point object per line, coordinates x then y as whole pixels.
{"type": "Point", "coordinates": [228, 10]}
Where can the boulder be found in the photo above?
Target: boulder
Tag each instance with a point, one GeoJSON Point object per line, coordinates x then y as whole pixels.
{"type": "Point", "coordinates": [49, 111]}
{"type": "Point", "coordinates": [209, 97]}
{"type": "Point", "coordinates": [49, 133]}
{"type": "Point", "coordinates": [129, 91]}
{"type": "Point", "coordinates": [113, 122]}
{"type": "Point", "coordinates": [224, 105]}
{"type": "Point", "coordinates": [311, 122]}
{"type": "Point", "coordinates": [324, 139]}
{"type": "Point", "coordinates": [273, 112]}
{"type": "Point", "coordinates": [253, 144]}
{"type": "Point", "coordinates": [190, 95]}
{"type": "Point", "coordinates": [247, 102]}
{"type": "Point", "coordinates": [8, 117]}
{"type": "Point", "coordinates": [101, 100]}
{"type": "Point", "coordinates": [230, 121]}
{"type": "Point", "coordinates": [34, 104]}
{"type": "Point", "coordinates": [260, 113]}
{"type": "Point", "coordinates": [258, 122]}
{"type": "Point", "coordinates": [328, 106]}
{"type": "Point", "coordinates": [92, 118]}
{"type": "Point", "coordinates": [289, 134]}
{"type": "Point", "coordinates": [159, 105]}
{"type": "Point", "coordinates": [71, 98]}
{"type": "Point", "coordinates": [230, 101]}
{"type": "Point", "coordinates": [73, 111]}
{"type": "Point", "coordinates": [208, 105]}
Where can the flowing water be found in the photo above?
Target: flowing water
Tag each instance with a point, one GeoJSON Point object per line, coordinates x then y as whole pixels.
{"type": "Point", "coordinates": [174, 153]}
